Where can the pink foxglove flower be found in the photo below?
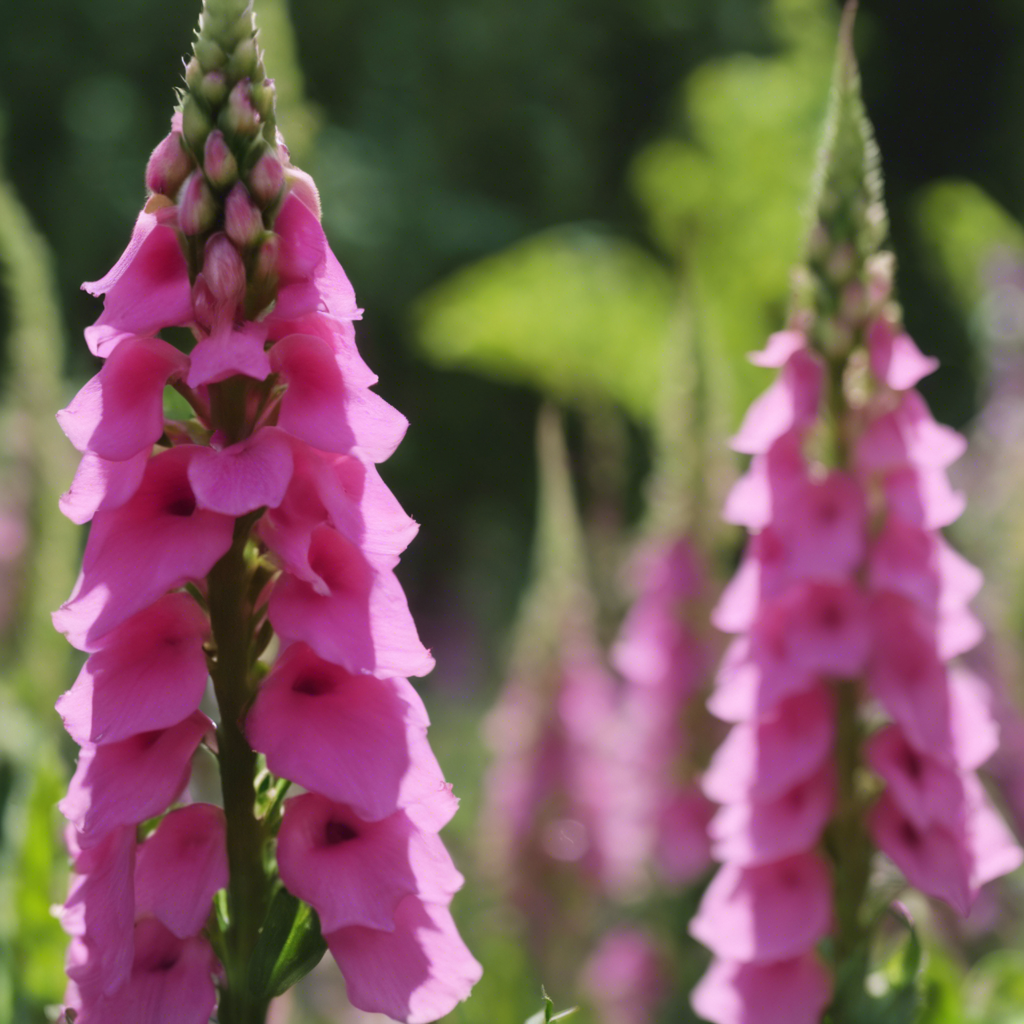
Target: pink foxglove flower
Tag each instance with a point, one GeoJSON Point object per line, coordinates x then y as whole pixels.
{"type": "Point", "coordinates": [264, 514]}
{"type": "Point", "coordinates": [848, 605]}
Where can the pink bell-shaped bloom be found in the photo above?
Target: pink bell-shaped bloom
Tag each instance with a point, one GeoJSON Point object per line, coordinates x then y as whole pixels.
{"type": "Point", "coordinates": [229, 350]}
{"type": "Point", "coordinates": [127, 782]}
{"type": "Point", "coordinates": [340, 491]}
{"type": "Point", "coordinates": [158, 540]}
{"type": "Point", "coordinates": [146, 290]}
{"type": "Point", "coordinates": [780, 347]}
{"type": "Point", "coordinates": [924, 789]}
{"type": "Point", "coordinates": [101, 484]}
{"type": "Point", "coordinates": [788, 992]}
{"type": "Point", "coordinates": [752, 499]}
{"type": "Point", "coordinates": [895, 359]}
{"type": "Point", "coordinates": [765, 913]}
{"type": "Point", "coordinates": [908, 434]}
{"type": "Point", "coordinates": [758, 833]}
{"type": "Point", "coordinates": [940, 710]}
{"type": "Point", "coordinates": [923, 496]}
{"type": "Point", "coordinates": [120, 412]}
{"type": "Point", "coordinates": [356, 739]}
{"type": "Point", "coordinates": [301, 258]}
{"type": "Point", "coordinates": [624, 978]}
{"type": "Point", "coordinates": [148, 673]}
{"type": "Point", "coordinates": [751, 681]}
{"type": "Point", "coordinates": [180, 867]}
{"type": "Point", "coordinates": [790, 403]}
{"type": "Point", "coordinates": [417, 973]}
{"type": "Point", "coordinates": [99, 912]}
{"type": "Point", "coordinates": [356, 872]}
{"type": "Point", "coordinates": [919, 564]}
{"type": "Point", "coordinates": [243, 477]}
{"type": "Point", "coordinates": [761, 760]}
{"type": "Point", "coordinates": [171, 980]}
{"type": "Point", "coordinates": [362, 622]}
{"type": "Point", "coordinates": [321, 408]}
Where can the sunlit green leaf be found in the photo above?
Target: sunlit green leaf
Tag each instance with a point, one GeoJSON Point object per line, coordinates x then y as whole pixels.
{"type": "Point", "coordinates": [571, 311]}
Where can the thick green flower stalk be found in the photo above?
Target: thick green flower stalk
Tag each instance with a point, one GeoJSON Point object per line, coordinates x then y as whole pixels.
{"type": "Point", "coordinates": [255, 544]}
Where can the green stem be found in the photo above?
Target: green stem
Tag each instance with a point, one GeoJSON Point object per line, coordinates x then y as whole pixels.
{"type": "Point", "coordinates": [249, 888]}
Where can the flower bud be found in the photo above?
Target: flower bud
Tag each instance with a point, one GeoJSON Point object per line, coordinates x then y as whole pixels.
{"type": "Point", "coordinates": [266, 179]}
{"type": "Point", "coordinates": [243, 221]}
{"type": "Point", "coordinates": [214, 88]}
{"type": "Point", "coordinates": [197, 209]}
{"type": "Point", "coordinates": [263, 94]}
{"type": "Point", "coordinates": [193, 74]}
{"type": "Point", "coordinates": [243, 62]}
{"type": "Point", "coordinates": [240, 117]}
{"type": "Point", "coordinates": [210, 55]}
{"type": "Point", "coordinates": [224, 270]}
{"type": "Point", "coordinates": [218, 160]}
{"type": "Point", "coordinates": [195, 125]}
{"type": "Point", "coordinates": [204, 307]}
{"type": "Point", "coordinates": [168, 166]}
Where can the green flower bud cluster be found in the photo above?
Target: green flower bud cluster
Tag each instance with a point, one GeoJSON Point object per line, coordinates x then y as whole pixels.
{"type": "Point", "coordinates": [847, 281]}
{"type": "Point", "coordinates": [230, 177]}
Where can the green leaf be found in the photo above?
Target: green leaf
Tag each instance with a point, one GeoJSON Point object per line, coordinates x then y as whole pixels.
{"type": "Point", "coordinates": [547, 1015]}
{"type": "Point", "coordinates": [964, 229]}
{"type": "Point", "coordinates": [735, 222]}
{"type": "Point", "coordinates": [995, 988]}
{"type": "Point", "coordinates": [289, 947]}
{"type": "Point", "coordinates": [573, 312]}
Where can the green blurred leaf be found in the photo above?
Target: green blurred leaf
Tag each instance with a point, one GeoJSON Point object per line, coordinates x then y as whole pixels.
{"type": "Point", "coordinates": [994, 988]}
{"type": "Point", "coordinates": [38, 884]}
{"type": "Point", "coordinates": [963, 228]}
{"type": "Point", "coordinates": [571, 311]}
{"type": "Point", "coordinates": [289, 947]}
{"type": "Point", "coordinates": [729, 203]}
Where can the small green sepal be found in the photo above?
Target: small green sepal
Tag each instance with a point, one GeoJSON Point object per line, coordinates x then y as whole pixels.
{"type": "Point", "coordinates": [289, 947]}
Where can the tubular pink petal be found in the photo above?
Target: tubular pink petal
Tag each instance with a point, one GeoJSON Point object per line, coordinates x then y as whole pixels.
{"type": "Point", "coordinates": [356, 739]}
{"type": "Point", "coordinates": [789, 992]}
{"type": "Point", "coordinates": [322, 409]}
{"type": "Point", "coordinates": [180, 867]}
{"type": "Point", "coordinates": [356, 872]}
{"type": "Point", "coordinates": [362, 623]}
{"type": "Point", "coordinates": [417, 973]}
{"type": "Point", "coordinates": [127, 782]}
{"type": "Point", "coordinates": [146, 290]}
{"type": "Point", "coordinates": [243, 477]}
{"type": "Point", "coordinates": [228, 350]}
{"type": "Point", "coordinates": [148, 673]}
{"type": "Point", "coordinates": [766, 913]}
{"type": "Point", "coordinates": [120, 412]}
{"type": "Point", "coordinates": [102, 485]}
{"type": "Point", "coordinates": [155, 542]}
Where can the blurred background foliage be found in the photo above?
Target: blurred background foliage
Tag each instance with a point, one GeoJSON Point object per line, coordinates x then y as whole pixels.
{"type": "Point", "coordinates": [527, 197]}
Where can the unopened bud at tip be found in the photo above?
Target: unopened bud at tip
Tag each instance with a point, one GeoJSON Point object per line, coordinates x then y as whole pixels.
{"type": "Point", "coordinates": [263, 94]}
{"type": "Point", "coordinates": [243, 221]}
{"type": "Point", "coordinates": [239, 116]}
{"type": "Point", "coordinates": [266, 179]}
{"type": "Point", "coordinates": [168, 167]}
{"type": "Point", "coordinates": [224, 271]}
{"type": "Point", "coordinates": [197, 208]}
{"type": "Point", "coordinates": [243, 62]}
{"type": "Point", "coordinates": [209, 54]}
{"type": "Point", "coordinates": [218, 160]}
{"type": "Point", "coordinates": [195, 124]}
{"type": "Point", "coordinates": [213, 88]}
